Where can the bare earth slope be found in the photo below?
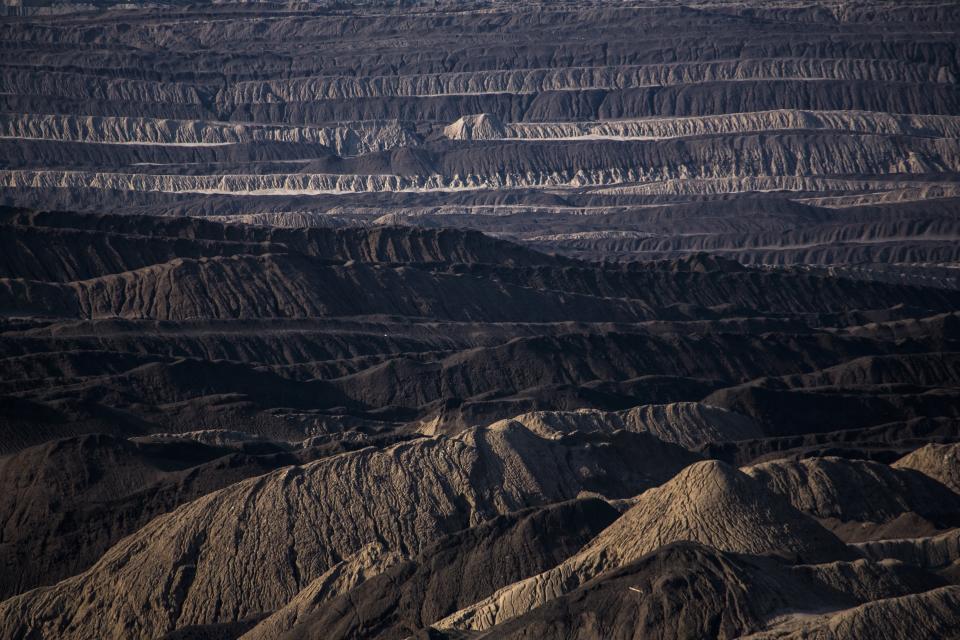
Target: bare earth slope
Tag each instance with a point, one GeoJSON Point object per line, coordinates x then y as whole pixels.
{"type": "Point", "coordinates": [473, 318]}
{"type": "Point", "coordinates": [846, 493]}
{"type": "Point", "coordinates": [940, 462]}
{"type": "Point", "coordinates": [454, 572]}
{"type": "Point", "coordinates": [707, 502]}
{"type": "Point", "coordinates": [413, 493]}
{"type": "Point", "coordinates": [685, 590]}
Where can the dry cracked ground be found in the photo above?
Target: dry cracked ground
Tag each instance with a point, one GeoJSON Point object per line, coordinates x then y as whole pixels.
{"type": "Point", "coordinates": [566, 320]}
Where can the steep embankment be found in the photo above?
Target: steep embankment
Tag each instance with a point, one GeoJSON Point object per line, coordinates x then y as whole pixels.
{"type": "Point", "coordinates": [938, 461]}
{"type": "Point", "coordinates": [853, 497]}
{"type": "Point", "coordinates": [707, 502]}
{"type": "Point", "coordinates": [447, 576]}
{"type": "Point", "coordinates": [685, 423]}
{"type": "Point", "coordinates": [210, 561]}
{"type": "Point", "coordinates": [689, 590]}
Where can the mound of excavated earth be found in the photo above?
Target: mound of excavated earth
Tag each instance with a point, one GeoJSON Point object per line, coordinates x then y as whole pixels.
{"type": "Point", "coordinates": [708, 502]}
{"type": "Point", "coordinates": [455, 572]}
{"type": "Point", "coordinates": [67, 501]}
{"type": "Point", "coordinates": [264, 539]}
{"type": "Point", "coordinates": [923, 616]}
{"type": "Point", "coordinates": [938, 461]}
{"type": "Point", "coordinates": [688, 424]}
{"type": "Point", "coordinates": [852, 497]}
{"type": "Point", "coordinates": [687, 590]}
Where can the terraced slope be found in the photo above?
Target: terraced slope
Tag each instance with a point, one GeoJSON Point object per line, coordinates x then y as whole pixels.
{"type": "Point", "coordinates": [785, 134]}
{"type": "Point", "coordinates": [479, 319]}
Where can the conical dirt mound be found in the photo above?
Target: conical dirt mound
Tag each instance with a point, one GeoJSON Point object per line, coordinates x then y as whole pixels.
{"type": "Point", "coordinates": [708, 502]}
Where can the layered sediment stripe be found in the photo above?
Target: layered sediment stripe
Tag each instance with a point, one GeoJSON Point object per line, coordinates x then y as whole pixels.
{"type": "Point", "coordinates": [68, 84]}
{"type": "Point", "coordinates": [351, 139]}
{"type": "Point", "coordinates": [317, 184]}
{"type": "Point", "coordinates": [870, 122]}
{"type": "Point", "coordinates": [64, 84]}
{"type": "Point", "coordinates": [373, 136]}
{"type": "Point", "coordinates": [578, 78]}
